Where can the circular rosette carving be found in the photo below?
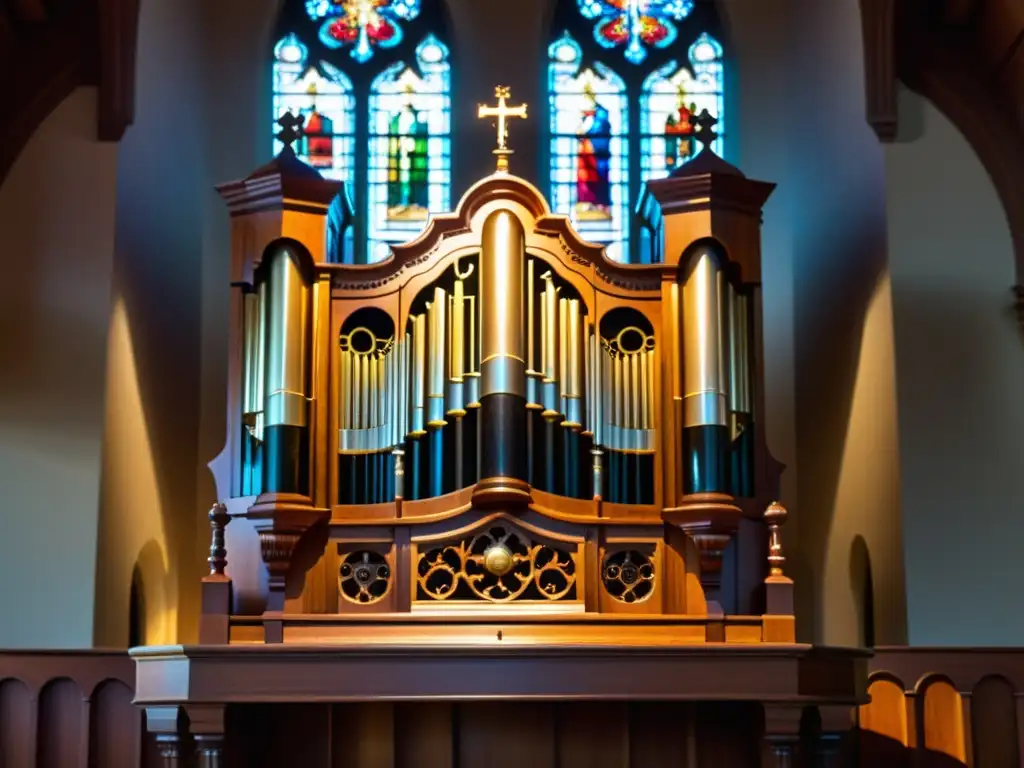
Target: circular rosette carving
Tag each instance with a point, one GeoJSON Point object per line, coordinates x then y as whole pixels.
{"type": "Point", "coordinates": [628, 576]}
{"type": "Point", "coordinates": [364, 577]}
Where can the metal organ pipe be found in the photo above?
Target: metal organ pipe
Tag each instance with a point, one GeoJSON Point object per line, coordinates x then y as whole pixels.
{"type": "Point", "coordinates": [503, 469]}
{"type": "Point", "coordinates": [705, 435]}
{"type": "Point", "coordinates": [286, 401]}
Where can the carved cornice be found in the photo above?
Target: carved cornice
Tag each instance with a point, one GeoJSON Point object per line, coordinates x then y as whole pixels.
{"type": "Point", "coordinates": [430, 244]}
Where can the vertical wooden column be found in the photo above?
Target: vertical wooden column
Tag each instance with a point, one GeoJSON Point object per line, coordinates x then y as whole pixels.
{"type": "Point", "coordinates": [782, 733]}
{"type": "Point", "coordinates": [206, 724]}
{"type": "Point", "coordinates": [164, 724]}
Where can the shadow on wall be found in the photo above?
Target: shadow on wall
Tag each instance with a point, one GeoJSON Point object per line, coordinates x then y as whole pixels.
{"type": "Point", "coordinates": [863, 589]}
{"type": "Point", "coordinates": [152, 610]}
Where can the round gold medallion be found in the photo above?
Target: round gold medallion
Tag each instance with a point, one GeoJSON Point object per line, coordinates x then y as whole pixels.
{"type": "Point", "coordinates": [498, 559]}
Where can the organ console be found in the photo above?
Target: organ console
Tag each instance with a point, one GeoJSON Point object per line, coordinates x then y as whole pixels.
{"type": "Point", "coordinates": [499, 420]}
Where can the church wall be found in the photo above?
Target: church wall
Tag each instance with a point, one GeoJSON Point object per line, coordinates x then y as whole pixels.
{"type": "Point", "coordinates": [829, 366]}
{"type": "Point", "coordinates": [150, 515]}
{"type": "Point", "coordinates": [960, 374]}
{"type": "Point", "coordinates": [56, 215]}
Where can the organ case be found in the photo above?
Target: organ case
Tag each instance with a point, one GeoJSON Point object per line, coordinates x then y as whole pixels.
{"type": "Point", "coordinates": [499, 424]}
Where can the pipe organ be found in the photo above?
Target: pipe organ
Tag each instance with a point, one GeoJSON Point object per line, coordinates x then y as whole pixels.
{"type": "Point", "coordinates": [499, 418]}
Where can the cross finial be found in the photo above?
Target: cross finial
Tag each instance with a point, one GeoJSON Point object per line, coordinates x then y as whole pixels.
{"type": "Point", "coordinates": [502, 112]}
{"type": "Point", "coordinates": [703, 127]}
{"type": "Point", "coordinates": [291, 128]}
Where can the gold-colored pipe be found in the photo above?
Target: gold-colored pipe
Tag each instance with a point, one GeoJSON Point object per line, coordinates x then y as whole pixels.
{"type": "Point", "coordinates": [405, 386]}
{"type": "Point", "coordinates": [502, 269]}
{"type": "Point", "coordinates": [457, 352]}
{"type": "Point", "coordinates": [645, 393]}
{"type": "Point", "coordinates": [704, 400]}
{"type": "Point", "coordinates": [563, 356]}
{"type": "Point", "coordinates": [588, 381]}
{"type": "Point", "coordinates": [287, 360]}
{"type": "Point", "coordinates": [530, 288]}
{"type": "Point", "coordinates": [472, 375]}
{"type": "Point", "coordinates": [724, 331]}
{"type": "Point", "coordinates": [436, 360]}
{"type": "Point", "coordinates": [675, 358]}
{"type": "Point", "coordinates": [373, 393]}
{"type": "Point", "coordinates": [364, 392]}
{"type": "Point", "coordinates": [650, 388]}
{"type": "Point", "coordinates": [635, 390]}
{"type": "Point", "coordinates": [250, 374]}
{"type": "Point", "coordinates": [261, 361]}
{"type": "Point", "coordinates": [573, 403]}
{"type": "Point", "coordinates": [739, 354]}
{"type": "Point", "coordinates": [619, 385]}
{"type": "Point", "coordinates": [419, 375]}
{"type": "Point", "coordinates": [550, 328]}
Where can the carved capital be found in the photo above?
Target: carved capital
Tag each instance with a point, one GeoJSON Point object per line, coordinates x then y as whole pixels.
{"type": "Point", "coordinates": [277, 548]}
{"type": "Point", "coordinates": [281, 520]}
{"type": "Point", "coordinates": [711, 520]}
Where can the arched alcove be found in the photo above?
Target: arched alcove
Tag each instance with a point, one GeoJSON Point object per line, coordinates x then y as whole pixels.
{"type": "Point", "coordinates": [60, 725]}
{"type": "Point", "coordinates": [863, 587]}
{"type": "Point", "coordinates": [15, 723]}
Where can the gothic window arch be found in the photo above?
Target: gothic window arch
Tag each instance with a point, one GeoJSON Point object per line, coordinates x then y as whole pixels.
{"type": "Point", "coordinates": [372, 78]}
{"type": "Point", "coordinates": [623, 78]}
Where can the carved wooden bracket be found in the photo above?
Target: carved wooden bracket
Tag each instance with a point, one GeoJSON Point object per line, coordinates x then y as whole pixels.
{"type": "Point", "coordinates": [282, 519]}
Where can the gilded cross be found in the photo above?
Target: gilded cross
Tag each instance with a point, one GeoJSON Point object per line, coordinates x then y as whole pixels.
{"type": "Point", "coordinates": [502, 112]}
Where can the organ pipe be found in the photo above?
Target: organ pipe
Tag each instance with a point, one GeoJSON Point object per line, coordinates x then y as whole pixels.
{"type": "Point", "coordinates": [286, 386]}
{"type": "Point", "coordinates": [502, 360]}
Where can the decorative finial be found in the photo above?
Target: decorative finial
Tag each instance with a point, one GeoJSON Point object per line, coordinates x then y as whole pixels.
{"type": "Point", "coordinates": [218, 559]}
{"type": "Point", "coordinates": [775, 515]}
{"type": "Point", "coordinates": [291, 128]}
{"type": "Point", "coordinates": [502, 112]}
{"type": "Point", "coordinates": [703, 127]}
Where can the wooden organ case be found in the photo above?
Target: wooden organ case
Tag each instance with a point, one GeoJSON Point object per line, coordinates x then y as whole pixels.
{"type": "Point", "coordinates": [501, 450]}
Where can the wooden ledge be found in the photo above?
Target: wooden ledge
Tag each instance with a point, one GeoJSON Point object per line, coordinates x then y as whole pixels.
{"type": "Point", "coordinates": [793, 674]}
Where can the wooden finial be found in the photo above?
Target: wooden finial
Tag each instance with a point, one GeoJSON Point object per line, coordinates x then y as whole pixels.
{"type": "Point", "coordinates": [218, 559]}
{"type": "Point", "coordinates": [774, 516]}
{"type": "Point", "coordinates": [703, 127]}
{"type": "Point", "coordinates": [291, 128]}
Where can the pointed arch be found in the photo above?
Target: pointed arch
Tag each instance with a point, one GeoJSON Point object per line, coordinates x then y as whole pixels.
{"type": "Point", "coordinates": [372, 81]}
{"type": "Point", "coordinates": [624, 77]}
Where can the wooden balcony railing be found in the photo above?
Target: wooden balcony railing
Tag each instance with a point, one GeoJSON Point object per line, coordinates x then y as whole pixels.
{"type": "Point", "coordinates": [930, 708]}
{"type": "Point", "coordinates": [944, 707]}
{"type": "Point", "coordinates": [69, 709]}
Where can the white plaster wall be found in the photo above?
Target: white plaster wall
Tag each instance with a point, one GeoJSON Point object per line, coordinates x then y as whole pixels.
{"type": "Point", "coordinates": [960, 364]}
{"type": "Point", "coordinates": [56, 251]}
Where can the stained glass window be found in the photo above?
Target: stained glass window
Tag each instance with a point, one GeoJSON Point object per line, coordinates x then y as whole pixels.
{"type": "Point", "coordinates": [362, 25]}
{"type": "Point", "coordinates": [410, 169]}
{"type": "Point", "coordinates": [373, 80]}
{"type": "Point", "coordinates": [589, 154]}
{"type": "Point", "coordinates": [635, 25]}
{"type": "Point", "coordinates": [323, 95]}
{"type": "Point", "coordinates": [671, 94]}
{"type": "Point", "coordinates": [624, 78]}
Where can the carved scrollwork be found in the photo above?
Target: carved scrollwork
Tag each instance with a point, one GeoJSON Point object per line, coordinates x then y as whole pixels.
{"type": "Point", "coordinates": [498, 565]}
{"type": "Point", "coordinates": [628, 576]}
{"type": "Point", "coordinates": [364, 577]}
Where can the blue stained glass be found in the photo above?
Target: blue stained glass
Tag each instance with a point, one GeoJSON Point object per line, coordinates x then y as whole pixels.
{"type": "Point", "coordinates": [635, 24]}
{"type": "Point", "coordinates": [670, 95]}
{"type": "Point", "coordinates": [323, 96]}
{"type": "Point", "coordinates": [589, 155]}
{"type": "Point", "coordinates": [362, 24]}
{"type": "Point", "coordinates": [410, 147]}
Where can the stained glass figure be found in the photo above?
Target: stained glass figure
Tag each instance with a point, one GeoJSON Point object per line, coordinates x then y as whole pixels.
{"type": "Point", "coordinates": [670, 95]}
{"type": "Point", "coordinates": [410, 165]}
{"type": "Point", "coordinates": [635, 24]}
{"type": "Point", "coordinates": [362, 24]}
{"type": "Point", "coordinates": [407, 161]}
{"type": "Point", "coordinates": [589, 169]}
{"type": "Point", "coordinates": [323, 96]}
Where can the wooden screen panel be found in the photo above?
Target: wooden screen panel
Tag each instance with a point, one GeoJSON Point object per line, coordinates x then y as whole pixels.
{"type": "Point", "coordinates": [994, 724]}
{"type": "Point", "coordinates": [16, 742]}
{"type": "Point", "coordinates": [661, 733]}
{"type": "Point", "coordinates": [506, 735]}
{"type": "Point", "coordinates": [943, 725]}
{"type": "Point", "coordinates": [61, 727]}
{"type": "Point", "coordinates": [592, 735]}
{"type": "Point", "coordinates": [424, 735]}
{"type": "Point", "coordinates": [115, 726]}
{"type": "Point", "coordinates": [362, 735]}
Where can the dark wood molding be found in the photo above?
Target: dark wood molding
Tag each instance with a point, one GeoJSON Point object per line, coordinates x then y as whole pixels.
{"type": "Point", "coordinates": [47, 55]}
{"type": "Point", "coordinates": [878, 23]}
